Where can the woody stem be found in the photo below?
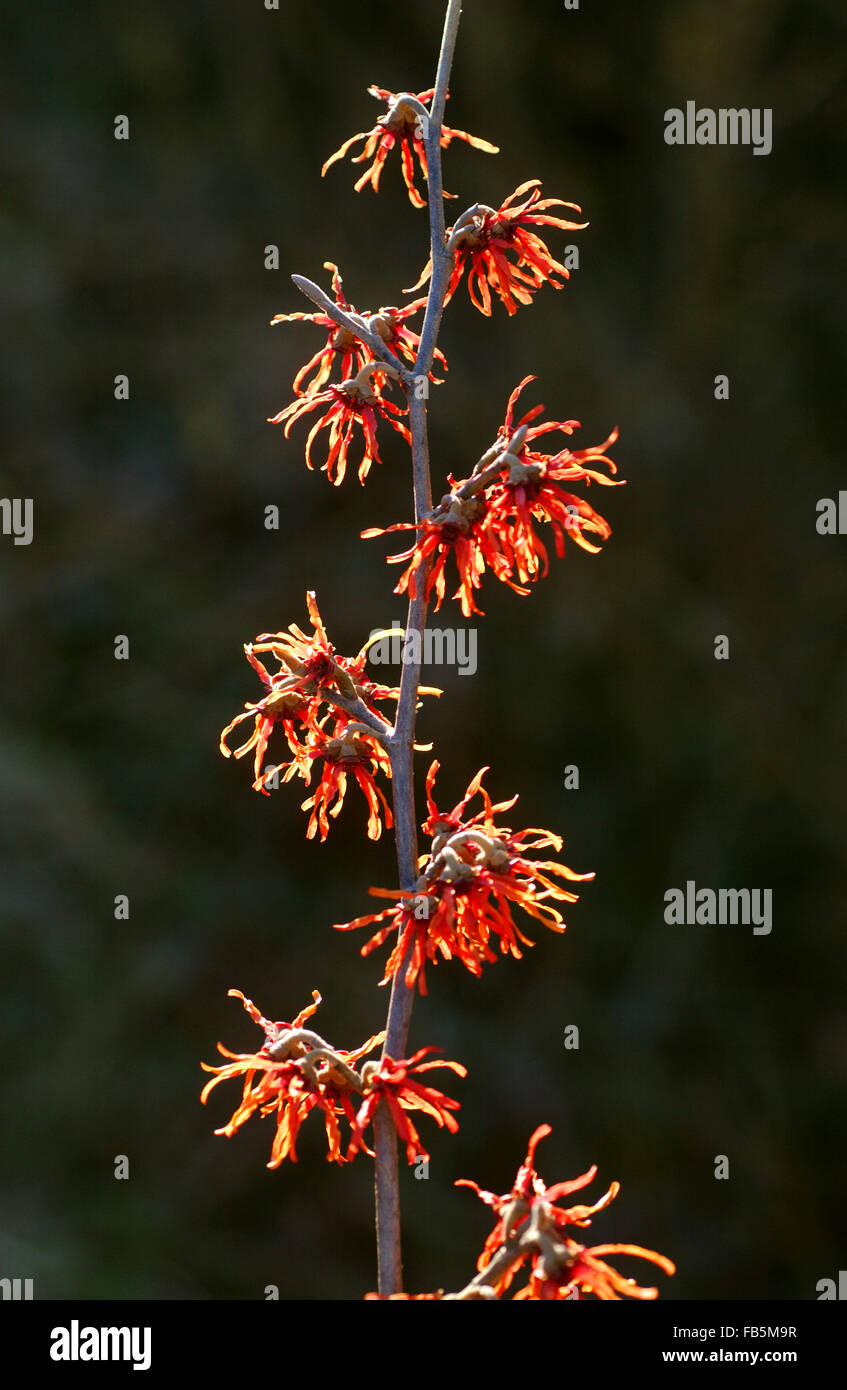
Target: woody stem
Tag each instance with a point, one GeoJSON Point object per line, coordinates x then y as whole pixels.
{"type": "Point", "coordinates": [402, 754]}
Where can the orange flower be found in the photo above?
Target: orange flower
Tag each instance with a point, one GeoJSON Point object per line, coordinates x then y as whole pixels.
{"type": "Point", "coordinates": [388, 323]}
{"type": "Point", "coordinates": [457, 527]}
{"type": "Point", "coordinates": [485, 241]}
{"type": "Point", "coordinates": [293, 1073]}
{"type": "Point", "coordinates": [531, 1228]}
{"type": "Point", "coordinates": [585, 1271]}
{"type": "Point", "coordinates": [345, 754]}
{"type": "Point", "coordinates": [394, 1082]}
{"type": "Point", "coordinates": [286, 709]}
{"type": "Point", "coordinates": [529, 489]}
{"type": "Point", "coordinates": [489, 519]}
{"type": "Point", "coordinates": [402, 121]}
{"type": "Point", "coordinates": [311, 675]}
{"type": "Point", "coordinates": [351, 403]}
{"type": "Point", "coordinates": [473, 875]}
{"type": "Point", "coordinates": [305, 665]}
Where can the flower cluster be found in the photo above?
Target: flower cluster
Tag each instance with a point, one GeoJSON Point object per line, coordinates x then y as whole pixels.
{"type": "Point", "coordinates": [489, 520]}
{"type": "Point", "coordinates": [531, 1233]}
{"type": "Point", "coordinates": [358, 400]}
{"type": "Point", "coordinates": [342, 345]}
{"type": "Point", "coordinates": [293, 1073]}
{"type": "Point", "coordinates": [326, 708]}
{"type": "Point", "coordinates": [296, 1071]}
{"type": "Point", "coordinates": [404, 120]}
{"type": "Point", "coordinates": [398, 1085]}
{"type": "Point", "coordinates": [472, 876]}
{"type": "Point", "coordinates": [355, 402]}
{"type": "Point", "coordinates": [501, 252]}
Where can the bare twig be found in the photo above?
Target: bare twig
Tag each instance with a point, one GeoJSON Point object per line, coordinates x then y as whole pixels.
{"type": "Point", "coordinates": [375, 723]}
{"type": "Point", "coordinates": [354, 325]}
{"type": "Point", "coordinates": [435, 194]}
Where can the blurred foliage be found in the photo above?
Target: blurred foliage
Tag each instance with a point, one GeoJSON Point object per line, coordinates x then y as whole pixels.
{"type": "Point", "coordinates": [147, 258]}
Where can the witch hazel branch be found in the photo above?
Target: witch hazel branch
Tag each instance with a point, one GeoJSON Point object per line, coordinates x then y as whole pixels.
{"type": "Point", "coordinates": [471, 892]}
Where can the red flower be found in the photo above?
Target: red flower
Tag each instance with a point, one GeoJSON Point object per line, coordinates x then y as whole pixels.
{"type": "Point", "coordinates": [489, 520]}
{"type": "Point", "coordinates": [346, 753]}
{"type": "Point", "coordinates": [285, 709]}
{"type": "Point", "coordinates": [293, 1073]}
{"type": "Point", "coordinates": [300, 699]}
{"type": "Point", "coordinates": [351, 403]}
{"type": "Point", "coordinates": [388, 323]}
{"type": "Point", "coordinates": [457, 527]}
{"type": "Point", "coordinates": [306, 665]}
{"type": "Point", "coordinates": [402, 121]}
{"type": "Point", "coordinates": [528, 489]}
{"type": "Point", "coordinates": [394, 1082]}
{"type": "Point", "coordinates": [473, 875]}
{"type": "Point", "coordinates": [344, 756]}
{"type": "Point", "coordinates": [531, 1228]}
{"type": "Point", "coordinates": [485, 241]}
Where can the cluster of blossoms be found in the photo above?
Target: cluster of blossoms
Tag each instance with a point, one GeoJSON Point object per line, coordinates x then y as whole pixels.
{"type": "Point", "coordinates": [459, 897]}
{"type": "Point", "coordinates": [343, 346]}
{"type": "Point", "coordinates": [405, 120]}
{"type": "Point", "coordinates": [472, 876]}
{"type": "Point", "coordinates": [327, 710]}
{"type": "Point", "coordinates": [498, 247]}
{"type": "Point", "coordinates": [296, 1071]}
{"type": "Point", "coordinates": [488, 521]}
{"type": "Point", "coordinates": [531, 1232]}
{"type": "Point", "coordinates": [358, 399]}
{"type": "Point", "coordinates": [531, 1235]}
{"type": "Point", "coordinates": [501, 252]}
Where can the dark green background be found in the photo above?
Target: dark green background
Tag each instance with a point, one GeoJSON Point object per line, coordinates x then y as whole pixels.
{"type": "Point", "coordinates": [147, 258]}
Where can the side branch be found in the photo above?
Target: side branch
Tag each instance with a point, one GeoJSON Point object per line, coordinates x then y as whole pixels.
{"type": "Point", "coordinates": [359, 710]}
{"type": "Point", "coordinates": [354, 325]}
